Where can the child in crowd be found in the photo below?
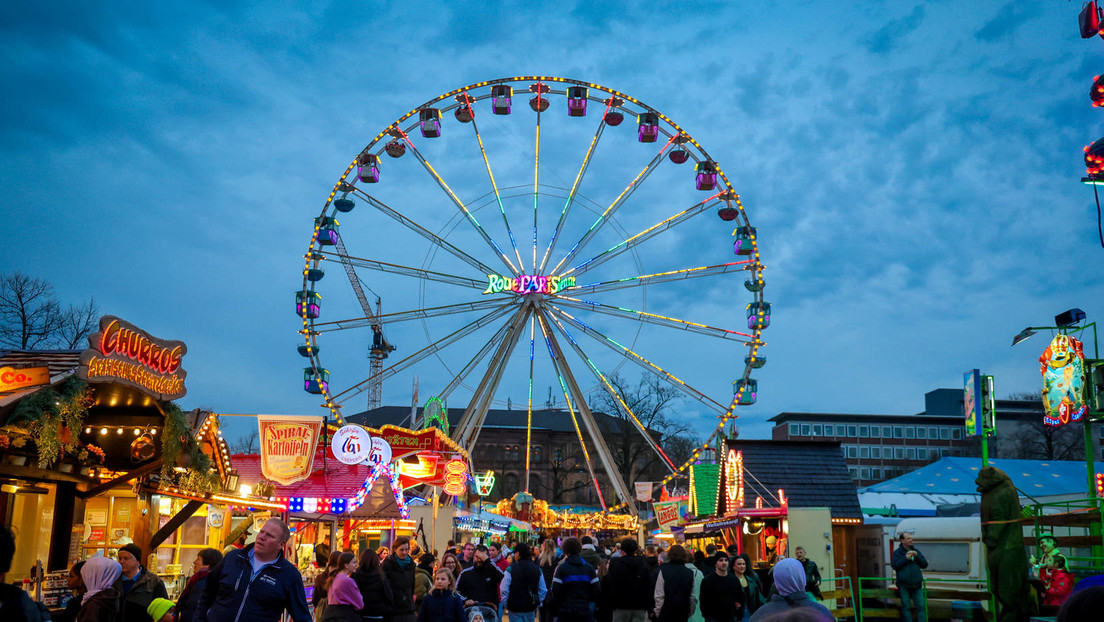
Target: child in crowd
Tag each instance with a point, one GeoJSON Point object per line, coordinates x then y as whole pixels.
{"type": "Point", "coordinates": [162, 610]}
{"type": "Point", "coordinates": [442, 603]}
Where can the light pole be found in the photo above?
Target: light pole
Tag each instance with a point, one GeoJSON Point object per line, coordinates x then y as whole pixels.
{"type": "Point", "coordinates": [1066, 323]}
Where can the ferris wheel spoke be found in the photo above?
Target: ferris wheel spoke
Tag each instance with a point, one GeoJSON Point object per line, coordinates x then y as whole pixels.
{"type": "Point", "coordinates": [642, 362]}
{"type": "Point", "coordinates": [467, 430]}
{"type": "Point", "coordinates": [494, 185]}
{"type": "Point", "coordinates": [425, 233]}
{"type": "Point", "coordinates": [529, 410]}
{"type": "Point", "coordinates": [652, 318]}
{"type": "Point", "coordinates": [459, 378]}
{"type": "Point", "coordinates": [432, 348]}
{"type": "Point", "coordinates": [613, 207]}
{"type": "Point", "coordinates": [608, 386]}
{"type": "Point", "coordinates": [661, 277]}
{"type": "Point", "coordinates": [643, 236]}
{"type": "Point", "coordinates": [574, 189]}
{"type": "Point", "coordinates": [418, 273]}
{"type": "Point", "coordinates": [596, 434]}
{"type": "Point", "coordinates": [414, 314]}
{"type": "Point", "coordinates": [536, 174]}
{"type": "Point", "coordinates": [460, 205]}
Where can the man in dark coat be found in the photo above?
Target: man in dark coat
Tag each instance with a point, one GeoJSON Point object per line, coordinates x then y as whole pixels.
{"type": "Point", "coordinates": [399, 570]}
{"type": "Point", "coordinates": [812, 573]}
{"type": "Point", "coordinates": [628, 584]}
{"type": "Point", "coordinates": [908, 562]}
{"type": "Point", "coordinates": [255, 584]}
{"type": "Point", "coordinates": [479, 583]}
{"type": "Point", "coordinates": [137, 585]}
{"type": "Point", "coordinates": [575, 586]}
{"type": "Point", "coordinates": [523, 587]}
{"type": "Point", "coordinates": [722, 598]}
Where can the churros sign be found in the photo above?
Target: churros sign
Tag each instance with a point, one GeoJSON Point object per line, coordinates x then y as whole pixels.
{"type": "Point", "coordinates": [123, 353]}
{"type": "Point", "coordinates": [287, 446]}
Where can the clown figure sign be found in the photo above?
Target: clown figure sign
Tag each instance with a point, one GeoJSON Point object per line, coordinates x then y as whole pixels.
{"type": "Point", "coordinates": [1063, 368]}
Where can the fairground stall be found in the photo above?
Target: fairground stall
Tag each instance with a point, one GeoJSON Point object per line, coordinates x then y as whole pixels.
{"type": "Point", "coordinates": [770, 497]}
{"type": "Point", "coordinates": [564, 521]}
{"type": "Point", "coordinates": [97, 455]}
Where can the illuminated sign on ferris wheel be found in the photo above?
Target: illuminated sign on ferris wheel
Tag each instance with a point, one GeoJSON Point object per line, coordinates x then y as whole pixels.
{"type": "Point", "coordinates": [527, 284]}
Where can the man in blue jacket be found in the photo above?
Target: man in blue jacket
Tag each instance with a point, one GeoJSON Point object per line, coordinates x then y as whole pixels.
{"type": "Point", "coordinates": [255, 584]}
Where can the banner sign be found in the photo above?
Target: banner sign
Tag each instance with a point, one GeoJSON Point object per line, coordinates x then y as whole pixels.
{"type": "Point", "coordinates": [643, 491]}
{"type": "Point", "coordinates": [1063, 368]}
{"type": "Point", "coordinates": [125, 354]}
{"type": "Point", "coordinates": [287, 446]}
{"type": "Point", "coordinates": [406, 442]}
{"type": "Point", "coordinates": [971, 401]}
{"type": "Point", "coordinates": [667, 513]}
{"type": "Point", "coordinates": [351, 444]}
{"type": "Point", "coordinates": [12, 379]}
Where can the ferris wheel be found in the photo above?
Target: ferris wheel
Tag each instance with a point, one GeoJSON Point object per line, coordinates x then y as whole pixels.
{"type": "Point", "coordinates": [535, 231]}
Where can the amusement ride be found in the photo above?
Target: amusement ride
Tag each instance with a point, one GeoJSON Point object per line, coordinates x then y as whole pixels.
{"type": "Point", "coordinates": [472, 225]}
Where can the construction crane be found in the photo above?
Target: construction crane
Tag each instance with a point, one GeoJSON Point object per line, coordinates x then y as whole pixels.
{"type": "Point", "coordinates": [381, 348]}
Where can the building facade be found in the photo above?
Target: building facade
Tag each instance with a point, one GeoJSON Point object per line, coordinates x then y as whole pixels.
{"type": "Point", "coordinates": [881, 447]}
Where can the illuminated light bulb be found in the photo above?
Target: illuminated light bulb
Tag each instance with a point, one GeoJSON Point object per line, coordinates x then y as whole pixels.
{"type": "Point", "coordinates": [103, 430]}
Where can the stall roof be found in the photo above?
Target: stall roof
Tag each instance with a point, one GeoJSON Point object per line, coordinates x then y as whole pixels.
{"type": "Point", "coordinates": [955, 476]}
{"type": "Point", "coordinates": [813, 474]}
{"type": "Point", "coordinates": [329, 479]}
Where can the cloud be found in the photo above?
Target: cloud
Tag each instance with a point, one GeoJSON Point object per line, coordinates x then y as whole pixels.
{"type": "Point", "coordinates": [888, 38]}
{"type": "Point", "coordinates": [1009, 19]}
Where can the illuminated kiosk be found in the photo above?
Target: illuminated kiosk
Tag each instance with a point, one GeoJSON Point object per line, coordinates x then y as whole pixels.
{"type": "Point", "coordinates": [86, 459]}
{"type": "Point", "coordinates": [499, 275]}
{"type": "Point", "coordinates": [773, 496]}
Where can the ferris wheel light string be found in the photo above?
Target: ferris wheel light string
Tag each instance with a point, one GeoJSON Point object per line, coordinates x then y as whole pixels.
{"type": "Point", "coordinates": [494, 184]}
{"type": "Point", "coordinates": [613, 392]}
{"type": "Point", "coordinates": [570, 408]}
{"type": "Point", "coordinates": [624, 243]}
{"type": "Point", "coordinates": [575, 187]}
{"type": "Point", "coordinates": [529, 420]}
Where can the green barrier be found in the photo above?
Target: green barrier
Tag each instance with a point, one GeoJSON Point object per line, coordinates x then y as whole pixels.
{"type": "Point", "coordinates": [880, 588]}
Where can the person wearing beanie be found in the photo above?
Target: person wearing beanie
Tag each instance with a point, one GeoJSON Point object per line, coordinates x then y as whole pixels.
{"type": "Point", "coordinates": [137, 585]}
{"type": "Point", "coordinates": [722, 598]}
{"type": "Point", "coordinates": [162, 610]}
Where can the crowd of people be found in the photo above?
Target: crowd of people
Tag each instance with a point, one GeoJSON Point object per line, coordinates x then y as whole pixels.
{"type": "Point", "coordinates": [574, 580]}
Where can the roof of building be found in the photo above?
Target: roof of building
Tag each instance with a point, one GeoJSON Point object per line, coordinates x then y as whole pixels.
{"type": "Point", "coordinates": [812, 474]}
{"type": "Point", "coordinates": [921, 418]}
{"type": "Point", "coordinates": [59, 361]}
{"type": "Point", "coordinates": [956, 476]}
{"type": "Point", "coordinates": [554, 420]}
{"type": "Point", "coordinates": [941, 406]}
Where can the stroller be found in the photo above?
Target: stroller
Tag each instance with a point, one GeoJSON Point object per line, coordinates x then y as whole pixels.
{"type": "Point", "coordinates": [482, 612]}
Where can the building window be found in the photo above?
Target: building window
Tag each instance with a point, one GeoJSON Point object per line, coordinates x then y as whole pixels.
{"type": "Point", "coordinates": [864, 431]}
{"type": "Point", "coordinates": [818, 430]}
{"type": "Point", "coordinates": [899, 453]}
{"type": "Point", "coordinates": [910, 432]}
{"type": "Point", "coordinates": [795, 429]}
{"type": "Point", "coordinates": [876, 474]}
{"type": "Point", "coordinates": [864, 452]}
{"type": "Point", "coordinates": [557, 456]}
{"type": "Point", "coordinates": [887, 432]}
{"type": "Point", "coordinates": [875, 431]}
{"type": "Point", "coordinates": [851, 431]}
{"type": "Point", "coordinates": [911, 453]}
{"type": "Point", "coordinates": [945, 433]}
{"type": "Point", "coordinates": [898, 432]}
{"type": "Point", "coordinates": [843, 450]}
{"type": "Point", "coordinates": [956, 433]}
{"type": "Point", "coordinates": [876, 452]}
{"type": "Point", "coordinates": [922, 453]}
{"type": "Point", "coordinates": [806, 429]}
{"type": "Point", "coordinates": [921, 433]}
{"type": "Point", "coordinates": [852, 451]}
{"type": "Point", "coordinates": [537, 454]}
{"type": "Point", "coordinates": [933, 433]}
{"type": "Point", "coordinates": [854, 471]}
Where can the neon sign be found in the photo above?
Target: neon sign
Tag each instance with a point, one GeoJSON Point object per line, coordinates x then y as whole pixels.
{"type": "Point", "coordinates": [1063, 368]}
{"type": "Point", "coordinates": [734, 479]}
{"type": "Point", "coordinates": [456, 473]}
{"type": "Point", "coordinates": [125, 354]}
{"type": "Point", "coordinates": [526, 284]}
{"type": "Point", "coordinates": [485, 483]}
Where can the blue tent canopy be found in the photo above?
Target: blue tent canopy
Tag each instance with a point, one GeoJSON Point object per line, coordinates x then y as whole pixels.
{"type": "Point", "coordinates": [955, 476]}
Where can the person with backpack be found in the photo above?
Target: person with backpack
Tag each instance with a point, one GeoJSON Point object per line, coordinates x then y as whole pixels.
{"type": "Point", "coordinates": [628, 583]}
{"type": "Point", "coordinates": [676, 596]}
{"type": "Point", "coordinates": [523, 586]}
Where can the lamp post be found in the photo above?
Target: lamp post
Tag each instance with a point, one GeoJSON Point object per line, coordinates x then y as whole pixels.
{"type": "Point", "coordinates": [1069, 322]}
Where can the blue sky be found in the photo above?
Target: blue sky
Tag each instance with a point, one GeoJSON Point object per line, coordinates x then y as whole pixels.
{"type": "Point", "coordinates": [912, 169]}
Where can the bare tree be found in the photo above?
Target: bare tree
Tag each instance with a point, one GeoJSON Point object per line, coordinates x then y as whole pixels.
{"type": "Point", "coordinates": [31, 317]}
{"type": "Point", "coordinates": [29, 313]}
{"type": "Point", "coordinates": [652, 401]}
{"type": "Point", "coordinates": [246, 444]}
{"type": "Point", "coordinates": [561, 466]}
{"type": "Point", "coordinates": [1037, 441]}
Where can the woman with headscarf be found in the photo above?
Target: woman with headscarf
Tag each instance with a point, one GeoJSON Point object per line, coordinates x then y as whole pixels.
{"type": "Point", "coordinates": [344, 599]}
{"type": "Point", "coordinates": [789, 579]}
{"type": "Point", "coordinates": [101, 601]}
